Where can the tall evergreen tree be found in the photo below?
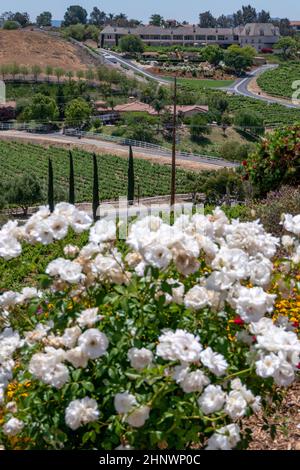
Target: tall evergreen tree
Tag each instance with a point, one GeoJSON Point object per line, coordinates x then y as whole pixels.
{"type": "Point", "coordinates": [130, 195]}
{"type": "Point", "coordinates": [71, 180]}
{"type": "Point", "coordinates": [50, 186]}
{"type": "Point", "coordinates": [96, 200]}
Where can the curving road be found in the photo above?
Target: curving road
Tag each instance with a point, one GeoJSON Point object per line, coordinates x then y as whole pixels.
{"type": "Point", "coordinates": [241, 87]}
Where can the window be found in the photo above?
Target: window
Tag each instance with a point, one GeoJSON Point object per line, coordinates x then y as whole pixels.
{"type": "Point", "coordinates": [211, 38]}
{"type": "Point", "coordinates": [189, 38]}
{"type": "Point", "coordinates": [201, 37]}
{"type": "Point", "coordinates": [176, 37]}
{"type": "Point", "coordinates": [235, 37]}
{"type": "Point", "coordinates": [166, 37]}
{"type": "Point", "coordinates": [221, 38]}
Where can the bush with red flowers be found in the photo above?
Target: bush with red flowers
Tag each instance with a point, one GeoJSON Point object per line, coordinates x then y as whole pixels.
{"type": "Point", "coordinates": [276, 161]}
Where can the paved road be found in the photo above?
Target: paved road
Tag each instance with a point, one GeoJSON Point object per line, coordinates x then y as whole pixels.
{"type": "Point", "coordinates": [111, 147]}
{"type": "Point", "coordinates": [111, 58]}
{"type": "Point", "coordinates": [240, 87]}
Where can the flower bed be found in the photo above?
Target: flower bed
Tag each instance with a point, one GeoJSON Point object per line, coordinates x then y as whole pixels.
{"type": "Point", "coordinates": [167, 339]}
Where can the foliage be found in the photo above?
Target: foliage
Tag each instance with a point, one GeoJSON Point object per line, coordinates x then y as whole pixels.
{"type": "Point", "coordinates": [223, 186]}
{"type": "Point", "coordinates": [77, 113]}
{"type": "Point", "coordinates": [239, 58]}
{"type": "Point", "coordinates": [163, 338]}
{"type": "Point", "coordinates": [50, 186]}
{"type": "Point", "coordinates": [279, 81]}
{"type": "Point", "coordinates": [17, 159]}
{"type": "Point", "coordinates": [71, 180]}
{"type": "Point", "coordinates": [275, 161]}
{"type": "Point", "coordinates": [289, 46]}
{"type": "Point", "coordinates": [10, 25]}
{"type": "Point", "coordinates": [131, 44]}
{"type": "Point", "coordinates": [42, 108]}
{"type": "Point", "coordinates": [44, 19]}
{"type": "Point", "coordinates": [24, 191]}
{"type": "Point", "coordinates": [130, 191]}
{"type": "Point", "coordinates": [235, 151]}
{"type": "Point", "coordinates": [75, 14]}
{"type": "Point", "coordinates": [270, 209]}
{"type": "Point", "coordinates": [96, 200]}
{"type": "Point", "coordinates": [213, 54]}
{"type": "Point", "coordinates": [249, 121]}
{"type": "Point", "coordinates": [199, 127]}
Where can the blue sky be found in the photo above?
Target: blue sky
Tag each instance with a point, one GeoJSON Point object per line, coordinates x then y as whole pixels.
{"type": "Point", "coordinates": [180, 9]}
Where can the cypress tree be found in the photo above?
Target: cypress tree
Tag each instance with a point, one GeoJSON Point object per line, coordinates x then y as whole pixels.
{"type": "Point", "coordinates": [50, 186]}
{"type": "Point", "coordinates": [71, 180]}
{"type": "Point", "coordinates": [130, 194]}
{"type": "Point", "coordinates": [96, 200]}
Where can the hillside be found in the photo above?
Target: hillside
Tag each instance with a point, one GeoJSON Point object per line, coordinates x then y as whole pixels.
{"type": "Point", "coordinates": [37, 48]}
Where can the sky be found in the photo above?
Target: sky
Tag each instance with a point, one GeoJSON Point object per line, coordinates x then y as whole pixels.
{"type": "Point", "coordinates": [142, 9]}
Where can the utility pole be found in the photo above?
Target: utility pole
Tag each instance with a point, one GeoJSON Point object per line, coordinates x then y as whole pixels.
{"type": "Point", "coordinates": [173, 175]}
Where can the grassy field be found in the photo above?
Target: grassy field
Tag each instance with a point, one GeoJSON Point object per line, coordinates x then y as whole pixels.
{"type": "Point", "coordinates": [278, 82]}
{"type": "Point", "coordinates": [152, 179]}
{"type": "Point", "coordinates": [199, 85]}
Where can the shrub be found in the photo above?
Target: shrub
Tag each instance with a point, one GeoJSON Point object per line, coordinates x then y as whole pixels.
{"type": "Point", "coordinates": [234, 151]}
{"type": "Point", "coordinates": [269, 210]}
{"type": "Point", "coordinates": [157, 341]}
{"type": "Point", "coordinates": [276, 161]}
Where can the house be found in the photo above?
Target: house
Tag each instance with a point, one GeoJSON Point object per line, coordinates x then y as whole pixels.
{"type": "Point", "coordinates": [8, 110]}
{"type": "Point", "coordinates": [139, 107]}
{"type": "Point", "coordinates": [258, 35]}
{"type": "Point", "coordinates": [295, 25]}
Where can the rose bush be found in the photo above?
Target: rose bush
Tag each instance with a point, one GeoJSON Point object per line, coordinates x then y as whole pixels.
{"type": "Point", "coordinates": [165, 340]}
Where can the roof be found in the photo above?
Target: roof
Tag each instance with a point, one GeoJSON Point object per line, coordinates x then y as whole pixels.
{"type": "Point", "coordinates": [295, 23]}
{"type": "Point", "coordinates": [8, 104]}
{"type": "Point", "coordinates": [252, 29]}
{"type": "Point", "coordinates": [139, 107]}
{"type": "Point", "coordinates": [258, 29]}
{"type": "Point", "coordinates": [179, 30]}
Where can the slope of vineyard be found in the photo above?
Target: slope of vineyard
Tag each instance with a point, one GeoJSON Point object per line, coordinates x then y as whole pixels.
{"type": "Point", "coordinates": [278, 82]}
{"type": "Point", "coordinates": [152, 179]}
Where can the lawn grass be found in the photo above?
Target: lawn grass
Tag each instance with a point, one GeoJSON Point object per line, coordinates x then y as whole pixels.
{"type": "Point", "coordinates": [195, 84]}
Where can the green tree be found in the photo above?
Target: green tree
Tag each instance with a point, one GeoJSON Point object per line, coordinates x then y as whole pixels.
{"type": "Point", "coordinates": [42, 108]}
{"type": "Point", "coordinates": [206, 20]}
{"type": "Point", "coordinates": [213, 54]}
{"type": "Point", "coordinates": [48, 71]}
{"type": "Point", "coordinates": [288, 45]}
{"type": "Point", "coordinates": [71, 180]}
{"type": "Point", "coordinates": [249, 121]}
{"type": "Point", "coordinates": [76, 31]}
{"type": "Point", "coordinates": [10, 25]}
{"type": "Point", "coordinates": [75, 14]}
{"type": "Point", "coordinates": [131, 44]}
{"type": "Point", "coordinates": [92, 32]}
{"type": "Point", "coordinates": [21, 18]}
{"type": "Point", "coordinates": [80, 74]}
{"type": "Point", "coordinates": [239, 58]}
{"type": "Point", "coordinates": [59, 72]}
{"type": "Point", "coordinates": [25, 191]}
{"type": "Point", "coordinates": [156, 20]}
{"type": "Point", "coordinates": [130, 193]}
{"type": "Point", "coordinates": [44, 19]}
{"type": "Point", "coordinates": [50, 186]}
{"type": "Point", "coordinates": [225, 122]}
{"type": "Point", "coordinates": [96, 199]}
{"type": "Point", "coordinates": [77, 112]}
{"type": "Point", "coordinates": [70, 75]}
{"type": "Point", "coordinates": [97, 17]}
{"type": "Point", "coordinates": [36, 72]}
{"type": "Point", "coordinates": [199, 127]}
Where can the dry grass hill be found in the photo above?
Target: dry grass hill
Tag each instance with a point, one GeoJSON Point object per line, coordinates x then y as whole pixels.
{"type": "Point", "coordinates": [38, 48]}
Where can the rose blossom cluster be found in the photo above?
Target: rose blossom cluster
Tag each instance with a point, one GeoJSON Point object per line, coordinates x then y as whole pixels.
{"type": "Point", "coordinates": [238, 259]}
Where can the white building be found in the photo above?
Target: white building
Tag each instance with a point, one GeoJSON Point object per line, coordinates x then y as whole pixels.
{"type": "Point", "coordinates": [258, 35]}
